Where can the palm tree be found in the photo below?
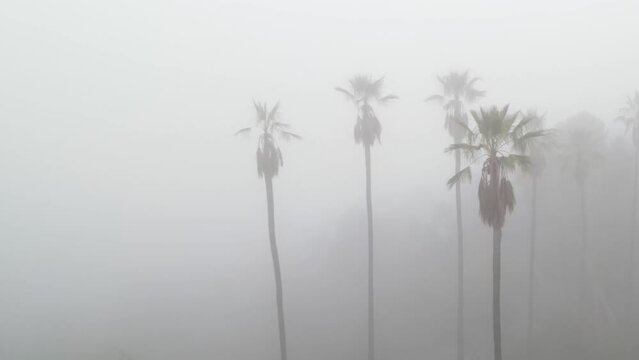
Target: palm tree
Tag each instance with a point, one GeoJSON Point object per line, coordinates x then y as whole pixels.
{"type": "Point", "coordinates": [458, 88]}
{"type": "Point", "coordinates": [538, 158]}
{"type": "Point", "coordinates": [629, 115]}
{"type": "Point", "coordinates": [580, 149]}
{"type": "Point", "coordinates": [501, 139]}
{"type": "Point", "coordinates": [269, 160]}
{"type": "Point", "coordinates": [362, 92]}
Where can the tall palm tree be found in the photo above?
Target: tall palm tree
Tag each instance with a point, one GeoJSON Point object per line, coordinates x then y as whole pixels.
{"type": "Point", "coordinates": [629, 115]}
{"type": "Point", "coordinates": [458, 89]}
{"type": "Point", "coordinates": [362, 92]}
{"type": "Point", "coordinates": [501, 139]}
{"type": "Point", "coordinates": [580, 146]}
{"type": "Point", "coordinates": [538, 157]}
{"type": "Point", "coordinates": [269, 160]}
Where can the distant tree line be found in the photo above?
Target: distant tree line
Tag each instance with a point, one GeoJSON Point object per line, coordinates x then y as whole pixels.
{"type": "Point", "coordinates": [499, 140]}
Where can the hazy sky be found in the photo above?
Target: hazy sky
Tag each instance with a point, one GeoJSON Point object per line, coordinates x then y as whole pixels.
{"type": "Point", "coordinates": [135, 103]}
{"type": "Point", "coordinates": [117, 118]}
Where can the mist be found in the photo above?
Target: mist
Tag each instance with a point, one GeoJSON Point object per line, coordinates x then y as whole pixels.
{"type": "Point", "coordinates": [135, 224]}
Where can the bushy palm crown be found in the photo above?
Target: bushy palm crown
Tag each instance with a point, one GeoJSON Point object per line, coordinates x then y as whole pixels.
{"type": "Point", "coordinates": [362, 91]}
{"type": "Point", "coordinates": [501, 140]}
{"type": "Point", "coordinates": [267, 124]}
{"type": "Point", "coordinates": [457, 87]}
{"type": "Point", "coordinates": [581, 144]}
{"type": "Point", "coordinates": [629, 115]}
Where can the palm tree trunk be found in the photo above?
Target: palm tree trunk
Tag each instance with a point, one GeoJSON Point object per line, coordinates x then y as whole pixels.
{"type": "Point", "coordinates": [531, 264]}
{"type": "Point", "coordinates": [632, 310]}
{"type": "Point", "coordinates": [276, 266]}
{"type": "Point", "coordinates": [633, 240]}
{"type": "Point", "coordinates": [460, 263]}
{"type": "Point", "coordinates": [583, 267]}
{"type": "Point", "coordinates": [497, 292]}
{"type": "Point", "coordinates": [371, 300]}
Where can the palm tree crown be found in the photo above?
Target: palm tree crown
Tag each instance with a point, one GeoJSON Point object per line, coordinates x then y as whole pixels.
{"type": "Point", "coordinates": [362, 91]}
{"type": "Point", "coordinates": [629, 115]}
{"type": "Point", "coordinates": [581, 144]}
{"type": "Point", "coordinates": [501, 139]}
{"type": "Point", "coordinates": [270, 128]}
{"type": "Point", "coordinates": [539, 148]}
{"type": "Point", "coordinates": [457, 87]}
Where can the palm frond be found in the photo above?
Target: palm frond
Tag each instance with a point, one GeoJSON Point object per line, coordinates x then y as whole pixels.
{"type": "Point", "coordinates": [469, 150]}
{"type": "Point", "coordinates": [260, 110]}
{"type": "Point", "coordinates": [473, 94]}
{"type": "Point", "coordinates": [349, 96]}
{"type": "Point", "coordinates": [507, 196]}
{"type": "Point", "coordinates": [512, 162]}
{"type": "Point", "coordinates": [472, 81]}
{"type": "Point", "coordinates": [522, 143]}
{"type": "Point", "coordinates": [377, 84]}
{"type": "Point", "coordinates": [287, 135]}
{"type": "Point", "coordinates": [280, 125]}
{"type": "Point", "coordinates": [273, 113]}
{"type": "Point", "coordinates": [464, 175]}
{"type": "Point", "coordinates": [386, 98]}
{"type": "Point", "coordinates": [243, 131]}
{"type": "Point", "coordinates": [438, 98]}
{"type": "Point", "coordinates": [470, 134]}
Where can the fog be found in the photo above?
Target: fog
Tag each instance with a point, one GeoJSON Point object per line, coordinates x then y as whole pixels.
{"type": "Point", "coordinates": [133, 224]}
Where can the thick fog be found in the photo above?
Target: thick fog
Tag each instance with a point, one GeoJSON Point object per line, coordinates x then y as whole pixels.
{"type": "Point", "coordinates": [133, 223]}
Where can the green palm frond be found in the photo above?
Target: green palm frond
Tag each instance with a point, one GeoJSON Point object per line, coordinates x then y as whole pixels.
{"type": "Point", "coordinates": [499, 138]}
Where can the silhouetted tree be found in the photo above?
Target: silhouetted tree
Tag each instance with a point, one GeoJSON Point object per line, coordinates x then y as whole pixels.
{"type": "Point", "coordinates": [362, 92]}
{"type": "Point", "coordinates": [537, 153]}
{"type": "Point", "coordinates": [269, 160]}
{"type": "Point", "coordinates": [629, 115]}
{"type": "Point", "coordinates": [458, 88]}
{"type": "Point", "coordinates": [502, 140]}
{"type": "Point", "coordinates": [582, 137]}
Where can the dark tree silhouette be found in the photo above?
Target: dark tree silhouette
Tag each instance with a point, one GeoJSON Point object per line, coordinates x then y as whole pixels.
{"type": "Point", "coordinates": [502, 140]}
{"type": "Point", "coordinates": [362, 92]}
{"type": "Point", "coordinates": [269, 160]}
{"type": "Point", "coordinates": [458, 88]}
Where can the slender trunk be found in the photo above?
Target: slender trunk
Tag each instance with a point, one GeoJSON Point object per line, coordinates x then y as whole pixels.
{"type": "Point", "coordinates": [371, 293]}
{"type": "Point", "coordinates": [633, 240]}
{"type": "Point", "coordinates": [531, 264]}
{"type": "Point", "coordinates": [460, 264]}
{"type": "Point", "coordinates": [583, 266]}
{"type": "Point", "coordinates": [632, 310]}
{"type": "Point", "coordinates": [276, 266]}
{"type": "Point", "coordinates": [497, 292]}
